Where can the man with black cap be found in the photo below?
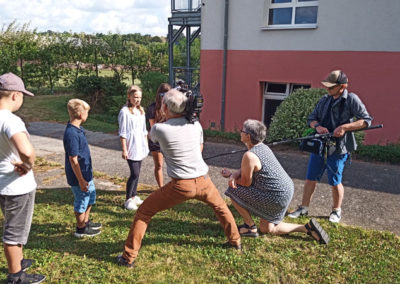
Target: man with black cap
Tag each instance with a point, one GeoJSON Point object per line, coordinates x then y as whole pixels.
{"type": "Point", "coordinates": [334, 113]}
{"type": "Point", "coordinates": [17, 183]}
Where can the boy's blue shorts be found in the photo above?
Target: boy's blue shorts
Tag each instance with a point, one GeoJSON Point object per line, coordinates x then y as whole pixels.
{"type": "Point", "coordinates": [334, 164]}
{"type": "Point", "coordinates": [84, 199]}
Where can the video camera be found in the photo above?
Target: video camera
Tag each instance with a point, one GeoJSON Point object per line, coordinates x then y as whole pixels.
{"type": "Point", "coordinates": [194, 104]}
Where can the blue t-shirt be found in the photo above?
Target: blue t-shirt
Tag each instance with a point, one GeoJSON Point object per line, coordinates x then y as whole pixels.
{"type": "Point", "coordinates": [75, 144]}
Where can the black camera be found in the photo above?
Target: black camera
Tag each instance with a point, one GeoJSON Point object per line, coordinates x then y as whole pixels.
{"type": "Point", "coordinates": [194, 104]}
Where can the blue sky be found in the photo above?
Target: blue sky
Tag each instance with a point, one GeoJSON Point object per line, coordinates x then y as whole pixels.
{"type": "Point", "coordinates": [89, 16]}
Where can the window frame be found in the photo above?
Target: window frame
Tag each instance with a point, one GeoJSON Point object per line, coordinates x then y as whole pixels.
{"type": "Point", "coordinates": [278, 96]}
{"type": "Point", "coordinates": [293, 4]}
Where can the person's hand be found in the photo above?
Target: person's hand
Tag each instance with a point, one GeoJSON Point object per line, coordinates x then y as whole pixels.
{"type": "Point", "coordinates": [232, 182]}
{"type": "Point", "coordinates": [339, 131]}
{"type": "Point", "coordinates": [321, 130]}
{"type": "Point", "coordinates": [125, 155]}
{"type": "Point", "coordinates": [21, 168]}
{"type": "Point", "coordinates": [84, 185]}
{"type": "Point", "coordinates": [226, 173]}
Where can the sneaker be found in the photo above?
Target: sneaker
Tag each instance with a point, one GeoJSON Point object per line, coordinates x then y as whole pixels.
{"type": "Point", "coordinates": [130, 204]}
{"type": "Point", "coordinates": [94, 226]}
{"type": "Point", "coordinates": [123, 262]}
{"type": "Point", "coordinates": [26, 263]}
{"type": "Point", "coordinates": [301, 211]}
{"type": "Point", "coordinates": [22, 277]}
{"type": "Point", "coordinates": [86, 232]}
{"type": "Point", "coordinates": [137, 200]}
{"type": "Point", "coordinates": [335, 216]}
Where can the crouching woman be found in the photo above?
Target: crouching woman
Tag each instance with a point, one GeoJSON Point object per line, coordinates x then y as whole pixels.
{"type": "Point", "coordinates": [262, 187]}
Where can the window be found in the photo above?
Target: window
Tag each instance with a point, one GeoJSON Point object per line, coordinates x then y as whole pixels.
{"type": "Point", "coordinates": [274, 94]}
{"type": "Point", "coordinates": [292, 14]}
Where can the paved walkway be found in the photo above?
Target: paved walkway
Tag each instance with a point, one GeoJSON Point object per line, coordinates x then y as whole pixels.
{"type": "Point", "coordinates": [372, 190]}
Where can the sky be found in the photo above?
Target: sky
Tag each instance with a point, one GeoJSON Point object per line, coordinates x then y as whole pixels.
{"type": "Point", "coordinates": [89, 16]}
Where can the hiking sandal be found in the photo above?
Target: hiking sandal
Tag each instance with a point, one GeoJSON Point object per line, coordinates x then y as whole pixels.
{"type": "Point", "coordinates": [249, 233]}
{"type": "Point", "coordinates": [314, 226]}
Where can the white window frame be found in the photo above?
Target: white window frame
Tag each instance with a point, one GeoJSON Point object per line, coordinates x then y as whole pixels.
{"type": "Point", "coordinates": [293, 4]}
{"type": "Point", "coordinates": [277, 96]}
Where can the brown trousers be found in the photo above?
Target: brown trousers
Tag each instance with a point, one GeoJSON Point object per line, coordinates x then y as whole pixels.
{"type": "Point", "coordinates": [174, 193]}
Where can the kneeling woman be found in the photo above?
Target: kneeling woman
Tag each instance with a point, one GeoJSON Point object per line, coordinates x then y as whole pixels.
{"type": "Point", "coordinates": [263, 188]}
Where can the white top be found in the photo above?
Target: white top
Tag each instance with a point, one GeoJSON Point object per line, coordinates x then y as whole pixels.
{"type": "Point", "coordinates": [132, 127]}
{"type": "Point", "coordinates": [11, 183]}
{"type": "Point", "coordinates": [180, 143]}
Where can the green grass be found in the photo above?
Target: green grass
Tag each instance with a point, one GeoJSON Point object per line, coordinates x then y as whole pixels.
{"type": "Point", "coordinates": [182, 245]}
{"type": "Point", "coordinates": [54, 109]}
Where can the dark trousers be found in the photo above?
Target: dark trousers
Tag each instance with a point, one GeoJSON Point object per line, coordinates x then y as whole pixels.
{"type": "Point", "coordinates": [131, 185]}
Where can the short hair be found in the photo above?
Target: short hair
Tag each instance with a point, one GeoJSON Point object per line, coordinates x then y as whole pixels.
{"type": "Point", "coordinates": [256, 129]}
{"type": "Point", "coordinates": [6, 93]}
{"type": "Point", "coordinates": [175, 101]}
{"type": "Point", "coordinates": [76, 107]}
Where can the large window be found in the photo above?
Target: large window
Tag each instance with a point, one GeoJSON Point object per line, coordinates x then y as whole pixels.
{"type": "Point", "coordinates": [274, 94]}
{"type": "Point", "coordinates": [292, 14]}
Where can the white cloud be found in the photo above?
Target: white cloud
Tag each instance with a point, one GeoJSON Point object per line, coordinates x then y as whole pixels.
{"type": "Point", "coordinates": [89, 16]}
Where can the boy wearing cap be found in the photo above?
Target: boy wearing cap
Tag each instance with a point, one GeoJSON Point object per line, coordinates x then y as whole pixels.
{"type": "Point", "coordinates": [333, 113]}
{"type": "Point", "coordinates": [78, 168]}
{"type": "Point", "coordinates": [17, 183]}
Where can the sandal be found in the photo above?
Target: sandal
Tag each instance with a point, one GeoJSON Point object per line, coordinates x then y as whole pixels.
{"type": "Point", "coordinates": [314, 226]}
{"type": "Point", "coordinates": [249, 233]}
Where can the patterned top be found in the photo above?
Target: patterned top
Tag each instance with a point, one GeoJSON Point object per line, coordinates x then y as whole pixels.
{"type": "Point", "coordinates": [271, 190]}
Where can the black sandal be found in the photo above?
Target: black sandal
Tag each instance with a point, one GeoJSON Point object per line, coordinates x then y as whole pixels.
{"type": "Point", "coordinates": [313, 225]}
{"type": "Point", "coordinates": [249, 233]}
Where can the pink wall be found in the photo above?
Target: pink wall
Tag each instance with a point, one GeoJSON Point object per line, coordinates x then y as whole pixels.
{"type": "Point", "coordinates": [372, 76]}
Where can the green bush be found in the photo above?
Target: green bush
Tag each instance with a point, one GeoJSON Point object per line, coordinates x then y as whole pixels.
{"type": "Point", "coordinates": [389, 153]}
{"type": "Point", "coordinates": [104, 94]}
{"type": "Point", "coordinates": [290, 119]}
{"type": "Point", "coordinates": [150, 81]}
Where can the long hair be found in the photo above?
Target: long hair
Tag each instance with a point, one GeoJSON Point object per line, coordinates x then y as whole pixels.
{"type": "Point", "coordinates": [131, 91]}
{"type": "Point", "coordinates": [162, 89]}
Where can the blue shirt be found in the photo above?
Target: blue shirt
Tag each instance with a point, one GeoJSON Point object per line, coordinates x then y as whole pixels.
{"type": "Point", "coordinates": [331, 113]}
{"type": "Point", "coordinates": [75, 144]}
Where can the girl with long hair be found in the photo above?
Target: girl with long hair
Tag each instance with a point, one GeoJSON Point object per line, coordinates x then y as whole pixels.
{"type": "Point", "coordinates": [133, 136]}
{"type": "Point", "coordinates": [154, 115]}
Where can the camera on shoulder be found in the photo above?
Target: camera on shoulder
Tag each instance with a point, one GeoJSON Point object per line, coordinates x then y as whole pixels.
{"type": "Point", "coordinates": [194, 104]}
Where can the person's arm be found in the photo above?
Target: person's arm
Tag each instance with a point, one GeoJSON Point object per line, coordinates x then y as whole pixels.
{"type": "Point", "coordinates": [244, 176]}
{"type": "Point", "coordinates": [314, 116]}
{"type": "Point", "coordinates": [342, 129]}
{"type": "Point", "coordinates": [152, 122]}
{"type": "Point", "coordinates": [124, 148]}
{"type": "Point", "coordinates": [25, 151]}
{"type": "Point", "coordinates": [360, 112]}
{"type": "Point", "coordinates": [83, 184]}
{"type": "Point", "coordinates": [122, 131]}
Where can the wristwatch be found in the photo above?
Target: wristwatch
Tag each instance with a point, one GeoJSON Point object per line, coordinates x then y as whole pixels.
{"type": "Point", "coordinates": [316, 125]}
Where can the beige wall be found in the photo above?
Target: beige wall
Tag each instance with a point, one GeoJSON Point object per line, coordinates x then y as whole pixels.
{"type": "Point", "coordinates": [342, 25]}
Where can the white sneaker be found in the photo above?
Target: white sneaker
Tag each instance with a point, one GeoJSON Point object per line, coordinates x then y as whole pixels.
{"type": "Point", "coordinates": [301, 211]}
{"type": "Point", "coordinates": [130, 204]}
{"type": "Point", "coordinates": [335, 216]}
{"type": "Point", "coordinates": [137, 200]}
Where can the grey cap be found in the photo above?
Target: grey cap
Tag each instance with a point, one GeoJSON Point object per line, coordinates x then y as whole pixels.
{"type": "Point", "coordinates": [11, 82]}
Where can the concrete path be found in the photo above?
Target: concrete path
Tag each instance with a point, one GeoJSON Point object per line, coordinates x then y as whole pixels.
{"type": "Point", "coordinates": [372, 190]}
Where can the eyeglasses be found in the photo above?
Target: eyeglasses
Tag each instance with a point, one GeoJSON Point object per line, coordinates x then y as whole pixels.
{"type": "Point", "coordinates": [162, 94]}
{"type": "Point", "coordinates": [243, 131]}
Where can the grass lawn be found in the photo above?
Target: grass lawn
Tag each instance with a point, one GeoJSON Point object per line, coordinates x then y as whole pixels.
{"type": "Point", "coordinates": [182, 245]}
{"type": "Point", "coordinates": [54, 108]}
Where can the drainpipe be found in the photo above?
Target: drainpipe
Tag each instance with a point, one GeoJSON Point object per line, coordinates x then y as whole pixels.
{"type": "Point", "coordinates": [223, 96]}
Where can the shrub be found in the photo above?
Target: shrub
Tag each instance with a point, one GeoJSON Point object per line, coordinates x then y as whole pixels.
{"type": "Point", "coordinates": [389, 153]}
{"type": "Point", "coordinates": [150, 82]}
{"type": "Point", "coordinates": [104, 94]}
{"type": "Point", "coordinates": [290, 119]}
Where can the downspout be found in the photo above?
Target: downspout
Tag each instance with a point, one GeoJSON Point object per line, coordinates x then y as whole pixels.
{"type": "Point", "coordinates": [223, 96]}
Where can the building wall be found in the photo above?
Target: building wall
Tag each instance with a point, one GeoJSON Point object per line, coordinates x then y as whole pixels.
{"type": "Point", "coordinates": [364, 44]}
